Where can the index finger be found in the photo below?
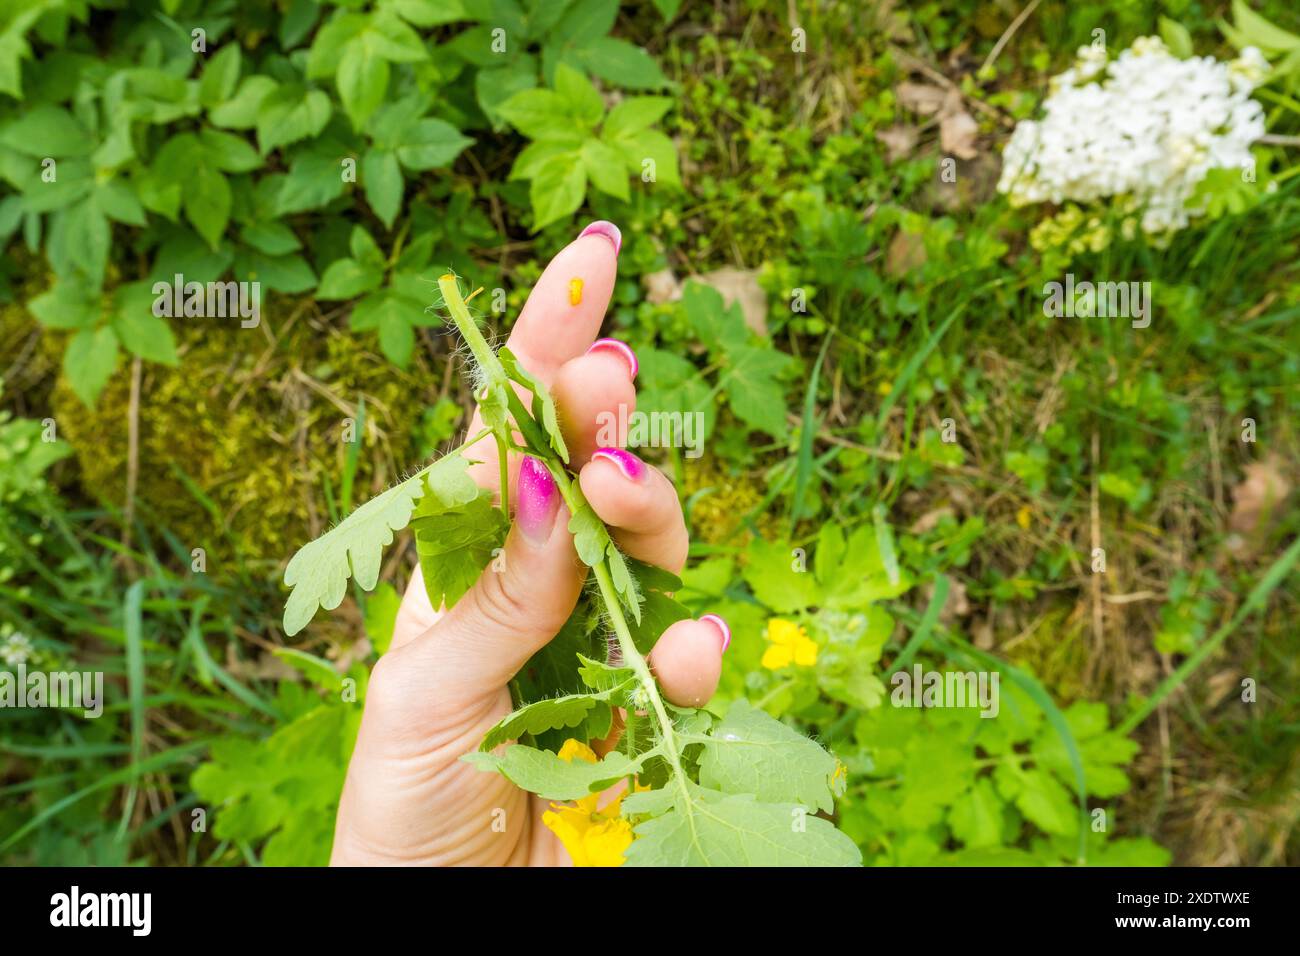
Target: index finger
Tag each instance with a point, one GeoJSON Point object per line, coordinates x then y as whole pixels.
{"type": "Point", "coordinates": [563, 314]}
{"type": "Point", "coordinates": [560, 320]}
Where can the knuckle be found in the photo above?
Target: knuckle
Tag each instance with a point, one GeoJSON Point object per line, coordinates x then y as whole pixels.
{"type": "Point", "coordinates": [499, 604]}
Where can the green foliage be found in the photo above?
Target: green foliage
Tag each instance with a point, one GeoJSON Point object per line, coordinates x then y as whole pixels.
{"type": "Point", "coordinates": [318, 574]}
{"type": "Point", "coordinates": [715, 819]}
{"type": "Point", "coordinates": [244, 149]}
{"type": "Point", "coordinates": [567, 153]}
{"type": "Point", "coordinates": [324, 151]}
{"type": "Point", "coordinates": [285, 789]}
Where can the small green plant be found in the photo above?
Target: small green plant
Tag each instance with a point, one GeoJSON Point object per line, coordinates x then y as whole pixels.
{"type": "Point", "coordinates": [567, 152]}
{"type": "Point", "coordinates": [740, 788]}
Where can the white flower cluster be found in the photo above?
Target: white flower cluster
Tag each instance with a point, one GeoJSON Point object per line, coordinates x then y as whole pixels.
{"type": "Point", "coordinates": [16, 649]}
{"type": "Point", "coordinates": [1146, 126]}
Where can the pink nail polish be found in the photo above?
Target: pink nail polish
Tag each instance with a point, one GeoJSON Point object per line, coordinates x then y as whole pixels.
{"type": "Point", "coordinates": [622, 348]}
{"type": "Point", "coordinates": [632, 467]}
{"type": "Point", "coordinates": [722, 627]}
{"type": "Point", "coordinates": [537, 501]}
{"type": "Point", "coordinates": [602, 227]}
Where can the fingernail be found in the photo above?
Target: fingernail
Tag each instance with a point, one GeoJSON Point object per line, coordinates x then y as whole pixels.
{"type": "Point", "coordinates": [622, 348]}
{"type": "Point", "coordinates": [603, 227]}
{"type": "Point", "coordinates": [538, 501]}
{"type": "Point", "coordinates": [722, 627]}
{"type": "Point", "coordinates": [632, 467]}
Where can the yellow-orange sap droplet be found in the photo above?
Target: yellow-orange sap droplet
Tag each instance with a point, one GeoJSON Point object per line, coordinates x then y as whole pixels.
{"type": "Point", "coordinates": [575, 291]}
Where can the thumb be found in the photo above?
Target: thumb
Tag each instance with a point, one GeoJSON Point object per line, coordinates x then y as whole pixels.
{"type": "Point", "coordinates": [520, 601]}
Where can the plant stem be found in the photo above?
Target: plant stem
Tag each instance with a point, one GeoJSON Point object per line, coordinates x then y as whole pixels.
{"type": "Point", "coordinates": [469, 331]}
{"type": "Point", "coordinates": [539, 444]}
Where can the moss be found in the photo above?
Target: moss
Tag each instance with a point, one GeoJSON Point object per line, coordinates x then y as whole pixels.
{"type": "Point", "coordinates": [258, 429]}
{"type": "Point", "coordinates": [1056, 651]}
{"type": "Point", "coordinates": [719, 501]}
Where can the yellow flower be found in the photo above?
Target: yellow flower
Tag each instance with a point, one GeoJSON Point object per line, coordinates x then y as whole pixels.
{"type": "Point", "coordinates": [790, 644]}
{"type": "Point", "coordinates": [839, 779]}
{"type": "Point", "coordinates": [593, 837]}
{"type": "Point", "coordinates": [1024, 516]}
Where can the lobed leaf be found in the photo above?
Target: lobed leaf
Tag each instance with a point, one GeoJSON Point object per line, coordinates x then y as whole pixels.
{"type": "Point", "coordinates": [754, 753]}
{"type": "Point", "coordinates": [543, 773]}
{"type": "Point", "coordinates": [721, 830]}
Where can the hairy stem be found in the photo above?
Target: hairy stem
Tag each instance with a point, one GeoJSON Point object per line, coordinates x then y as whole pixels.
{"type": "Point", "coordinates": [539, 444]}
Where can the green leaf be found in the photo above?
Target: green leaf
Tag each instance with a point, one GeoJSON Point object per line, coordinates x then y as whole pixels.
{"type": "Point", "coordinates": [220, 76]}
{"type": "Point", "coordinates": [118, 201]}
{"type": "Point", "coordinates": [271, 238]}
{"type": "Point", "coordinates": [753, 388]}
{"type": "Point", "coordinates": [1037, 794]}
{"type": "Point", "coordinates": [228, 152]}
{"type": "Point", "coordinates": [1251, 29]}
{"type": "Point", "coordinates": [207, 204]}
{"type": "Point", "coordinates": [667, 8]}
{"type": "Point", "coordinates": [635, 114]}
{"type": "Point", "coordinates": [289, 114]}
{"type": "Point", "coordinates": [590, 536]}
{"type": "Point", "coordinates": [429, 13]}
{"type": "Point", "coordinates": [319, 572]}
{"type": "Point", "coordinates": [47, 130]}
{"type": "Point", "coordinates": [544, 114]}
{"type": "Point", "coordinates": [652, 145]}
{"type": "Point", "coordinates": [771, 573]}
{"type": "Point", "coordinates": [494, 85]}
{"type": "Point", "coordinates": [605, 168]}
{"type": "Point", "coordinates": [381, 616]}
{"type": "Point", "coordinates": [736, 830]}
{"type": "Point", "coordinates": [658, 611]}
{"type": "Point", "coordinates": [89, 362]}
{"type": "Point", "coordinates": [313, 181]}
{"type": "Point", "coordinates": [317, 670]}
{"type": "Point", "coordinates": [1176, 38]}
{"type": "Point", "coordinates": [79, 242]}
{"type": "Point", "coordinates": [543, 773]}
{"type": "Point", "coordinates": [751, 752]}
{"type": "Point", "coordinates": [585, 21]}
{"type": "Point", "coordinates": [543, 405]}
{"type": "Point", "coordinates": [138, 329]}
{"type": "Point", "coordinates": [558, 713]}
{"type": "Point", "coordinates": [620, 62]}
{"type": "Point", "coordinates": [289, 273]}
{"type": "Point", "coordinates": [362, 81]}
{"type": "Point", "coordinates": [381, 176]}
{"type": "Point", "coordinates": [455, 545]}
{"type": "Point", "coordinates": [976, 818]}
{"type": "Point", "coordinates": [430, 143]}
{"type": "Point", "coordinates": [242, 111]}
{"type": "Point", "coordinates": [332, 41]}
{"type": "Point", "coordinates": [853, 571]}
{"type": "Point", "coordinates": [580, 99]}
{"type": "Point", "coordinates": [557, 190]}
{"type": "Point", "coordinates": [347, 279]}
{"type": "Point", "coordinates": [63, 306]}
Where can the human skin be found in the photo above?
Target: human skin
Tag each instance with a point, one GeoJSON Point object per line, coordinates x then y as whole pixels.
{"type": "Point", "coordinates": [408, 798]}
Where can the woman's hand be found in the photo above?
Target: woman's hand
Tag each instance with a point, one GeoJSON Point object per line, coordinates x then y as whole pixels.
{"type": "Point", "coordinates": [408, 798]}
